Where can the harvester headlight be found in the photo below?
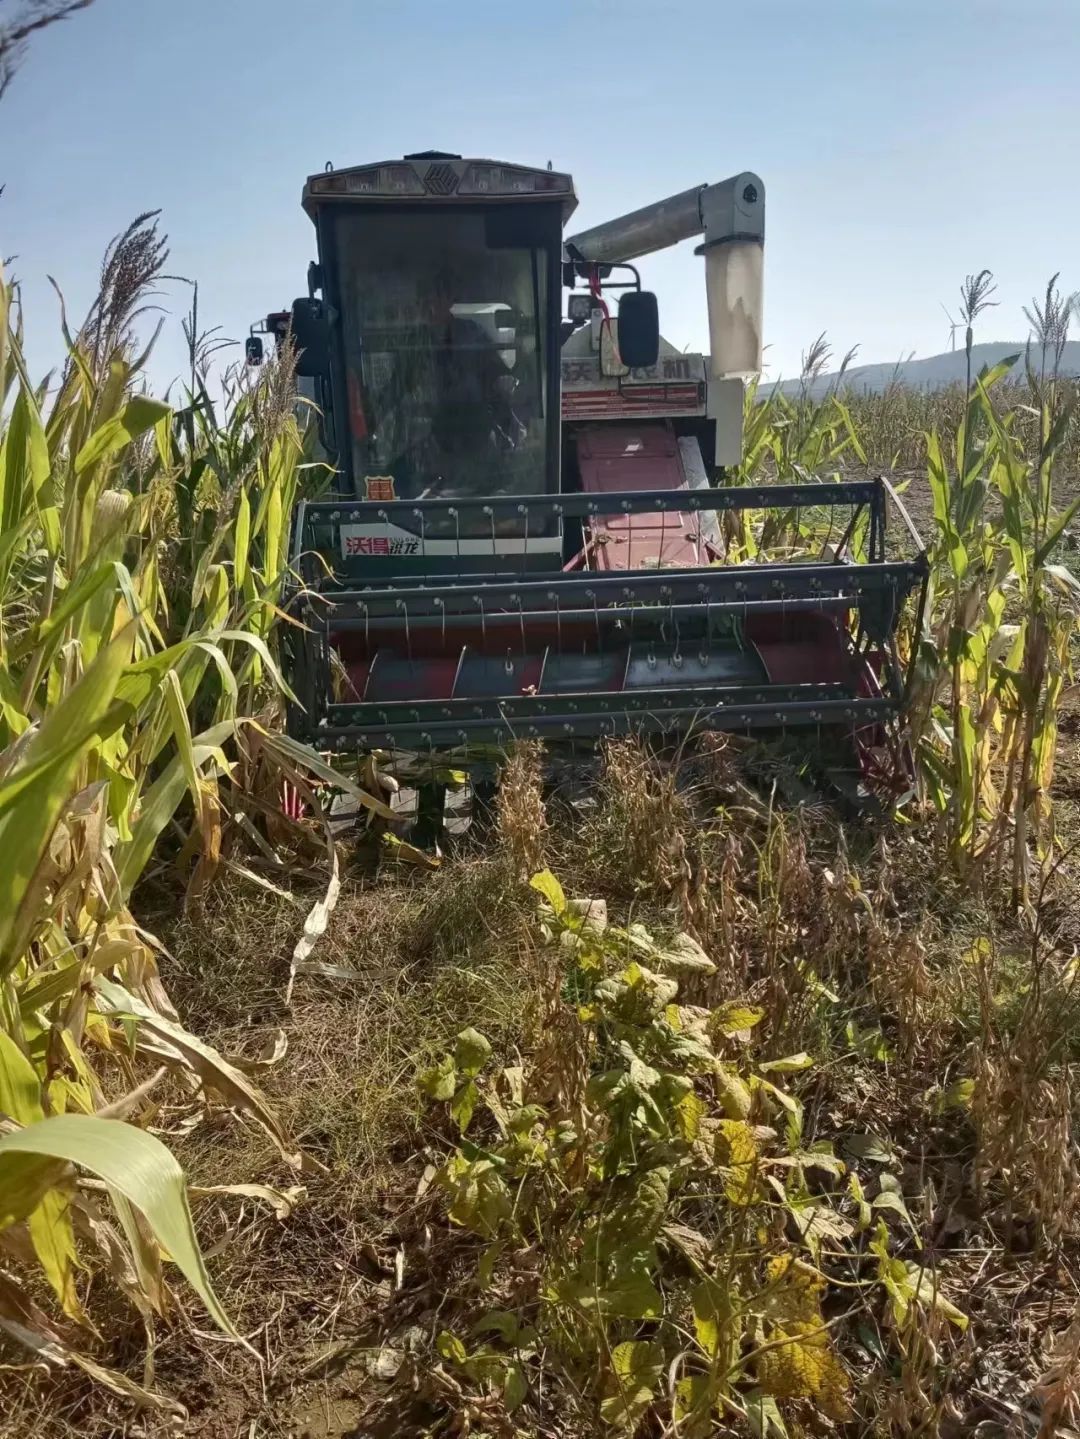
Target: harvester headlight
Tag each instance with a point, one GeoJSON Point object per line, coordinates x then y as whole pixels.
{"type": "Point", "coordinates": [485, 179]}
{"type": "Point", "coordinates": [400, 180]}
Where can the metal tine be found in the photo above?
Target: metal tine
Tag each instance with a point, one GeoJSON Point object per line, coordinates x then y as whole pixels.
{"type": "Point", "coordinates": [553, 595]}
{"type": "Point", "coordinates": [423, 530]}
{"type": "Point", "coordinates": [591, 594]}
{"type": "Point", "coordinates": [438, 791]}
{"type": "Point", "coordinates": [404, 608]}
{"type": "Point", "coordinates": [479, 601]}
{"type": "Point", "coordinates": [392, 768]}
{"type": "Point", "coordinates": [457, 530]}
{"type": "Point", "coordinates": [703, 653]}
{"type": "Point", "coordinates": [676, 653]}
{"type": "Point", "coordinates": [491, 515]}
{"type": "Point", "coordinates": [521, 622]}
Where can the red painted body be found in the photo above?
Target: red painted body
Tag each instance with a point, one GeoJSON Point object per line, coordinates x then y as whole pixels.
{"type": "Point", "coordinates": [638, 457]}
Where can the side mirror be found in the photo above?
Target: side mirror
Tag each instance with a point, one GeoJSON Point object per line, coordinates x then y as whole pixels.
{"type": "Point", "coordinates": [253, 350]}
{"type": "Point", "coordinates": [639, 329]}
{"type": "Point", "coordinates": [311, 337]}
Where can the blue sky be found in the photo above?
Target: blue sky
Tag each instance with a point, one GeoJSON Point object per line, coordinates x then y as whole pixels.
{"type": "Point", "coordinates": [901, 144]}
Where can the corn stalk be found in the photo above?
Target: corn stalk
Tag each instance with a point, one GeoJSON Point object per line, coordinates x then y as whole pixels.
{"type": "Point", "coordinates": [142, 554]}
{"type": "Point", "coordinates": [995, 648]}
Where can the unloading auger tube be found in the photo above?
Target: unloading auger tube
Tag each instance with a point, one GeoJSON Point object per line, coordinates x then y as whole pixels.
{"type": "Point", "coordinates": [730, 216]}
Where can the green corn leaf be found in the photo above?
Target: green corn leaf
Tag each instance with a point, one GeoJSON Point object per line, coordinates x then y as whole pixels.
{"type": "Point", "coordinates": [224, 669]}
{"type": "Point", "coordinates": [14, 466]}
{"type": "Point", "coordinates": [965, 747]}
{"type": "Point", "coordinates": [53, 1236]}
{"type": "Point", "coordinates": [140, 1168]}
{"type": "Point", "coordinates": [26, 1181]}
{"type": "Point", "coordinates": [254, 642]}
{"type": "Point", "coordinates": [181, 727]}
{"type": "Point", "coordinates": [990, 375]}
{"type": "Point", "coordinates": [159, 804]}
{"type": "Point", "coordinates": [141, 678]}
{"type": "Point", "coordinates": [46, 988]}
{"type": "Point", "coordinates": [139, 415]}
{"type": "Point", "coordinates": [47, 637]}
{"type": "Point", "coordinates": [13, 539]}
{"type": "Point", "coordinates": [852, 433]}
{"type": "Point", "coordinates": [1054, 533]}
{"type": "Point", "coordinates": [27, 824]}
{"type": "Point", "coordinates": [241, 539]}
{"type": "Point", "coordinates": [20, 1088]}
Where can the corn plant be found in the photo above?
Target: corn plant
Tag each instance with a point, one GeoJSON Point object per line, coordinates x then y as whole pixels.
{"type": "Point", "coordinates": [805, 436]}
{"type": "Point", "coordinates": [1000, 615]}
{"type": "Point", "coordinates": [142, 554]}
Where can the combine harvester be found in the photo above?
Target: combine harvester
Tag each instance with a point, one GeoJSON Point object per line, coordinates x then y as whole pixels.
{"type": "Point", "coordinates": [531, 534]}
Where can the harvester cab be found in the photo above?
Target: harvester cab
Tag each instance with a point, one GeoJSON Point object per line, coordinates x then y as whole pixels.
{"type": "Point", "coordinates": [531, 533]}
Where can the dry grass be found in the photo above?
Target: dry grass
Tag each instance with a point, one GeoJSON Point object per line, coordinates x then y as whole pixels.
{"type": "Point", "coordinates": [520, 816]}
{"type": "Point", "coordinates": [428, 955]}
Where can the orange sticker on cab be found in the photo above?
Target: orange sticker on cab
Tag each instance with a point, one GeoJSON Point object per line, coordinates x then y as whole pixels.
{"type": "Point", "coordinates": [379, 487]}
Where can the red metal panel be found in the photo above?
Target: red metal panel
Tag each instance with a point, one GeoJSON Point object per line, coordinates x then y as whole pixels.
{"type": "Point", "coordinates": [801, 649]}
{"type": "Point", "coordinates": [637, 457]}
{"type": "Point", "coordinates": [656, 400]}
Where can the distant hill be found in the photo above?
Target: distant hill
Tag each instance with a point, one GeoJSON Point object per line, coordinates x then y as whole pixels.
{"type": "Point", "coordinates": [934, 372]}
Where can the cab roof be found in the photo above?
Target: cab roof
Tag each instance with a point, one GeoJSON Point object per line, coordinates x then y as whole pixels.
{"type": "Point", "coordinates": [440, 178]}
